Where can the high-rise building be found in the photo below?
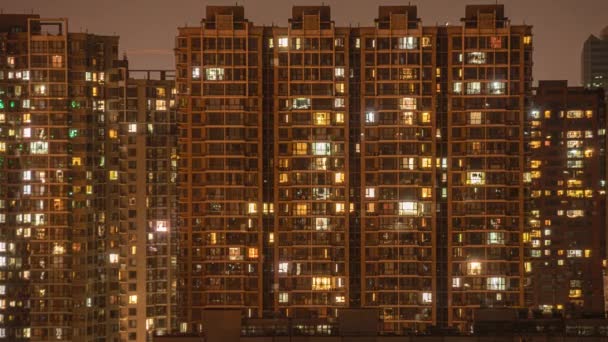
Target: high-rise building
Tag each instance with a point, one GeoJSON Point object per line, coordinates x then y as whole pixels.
{"type": "Point", "coordinates": [398, 164]}
{"type": "Point", "coordinates": [218, 80]}
{"type": "Point", "coordinates": [594, 61]}
{"type": "Point", "coordinates": [567, 216]}
{"type": "Point", "coordinates": [147, 135]}
{"type": "Point", "coordinates": [87, 189]}
{"type": "Point", "coordinates": [393, 166]}
{"type": "Point", "coordinates": [489, 82]}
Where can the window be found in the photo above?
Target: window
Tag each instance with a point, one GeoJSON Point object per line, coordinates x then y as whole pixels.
{"type": "Point", "coordinates": [575, 213]}
{"type": "Point", "coordinates": [161, 226]}
{"type": "Point", "coordinates": [113, 258]}
{"type": "Point", "coordinates": [476, 177]}
{"type": "Point", "coordinates": [196, 73]}
{"type": "Point", "coordinates": [370, 192]}
{"type": "Point", "coordinates": [408, 118]}
{"type": "Point", "coordinates": [496, 238]}
{"type": "Point", "coordinates": [321, 283]}
{"type": "Point", "coordinates": [10, 61]}
{"type": "Point", "coordinates": [339, 103]}
{"type": "Point", "coordinates": [301, 209]}
{"type": "Point", "coordinates": [476, 57]}
{"type": "Point", "coordinates": [252, 208]}
{"type": "Point", "coordinates": [574, 114]}
{"type": "Point", "coordinates": [301, 103]}
{"type": "Point", "coordinates": [234, 253]}
{"type": "Point", "coordinates": [497, 88]}
{"type": "Point", "coordinates": [321, 149]}
{"type": "Point", "coordinates": [408, 208]}
{"type": "Point", "coordinates": [57, 61]}
{"type": "Point", "coordinates": [427, 297]}
{"type": "Point", "coordinates": [474, 268]}
{"type": "Point", "coordinates": [132, 128]}
{"type": "Point", "coordinates": [407, 43]}
{"type": "Point", "coordinates": [321, 119]}
{"type": "Point", "coordinates": [475, 118]}
{"type": "Point", "coordinates": [339, 117]}
{"type": "Point", "coordinates": [457, 87]}
{"type": "Point", "coordinates": [283, 42]}
{"type": "Point", "coordinates": [473, 88]}
{"type": "Point", "coordinates": [426, 42]}
{"type": "Point", "coordinates": [300, 148]}
{"type": "Point", "coordinates": [456, 282]}
{"type": "Point", "coordinates": [339, 72]}
{"type": "Point", "coordinates": [252, 253]}
{"type": "Point", "coordinates": [321, 223]}
{"type": "Point", "coordinates": [133, 299]}
{"type": "Point", "coordinates": [496, 284]}
{"type": "Point", "coordinates": [39, 147]}
{"type": "Point", "coordinates": [214, 74]}
{"type": "Point", "coordinates": [407, 103]}
{"type": "Point", "coordinates": [340, 88]}
{"type": "Point", "coordinates": [283, 297]}
{"type": "Point", "coordinates": [370, 117]}
{"type": "Point", "coordinates": [339, 208]}
{"type": "Point", "coordinates": [527, 40]}
{"type": "Point", "coordinates": [283, 266]}
{"type": "Point", "coordinates": [574, 253]}
{"type": "Point", "coordinates": [339, 177]}
{"type": "Point", "coordinates": [161, 105]}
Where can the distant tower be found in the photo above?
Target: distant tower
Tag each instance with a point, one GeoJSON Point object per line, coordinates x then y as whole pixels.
{"type": "Point", "coordinates": [594, 61]}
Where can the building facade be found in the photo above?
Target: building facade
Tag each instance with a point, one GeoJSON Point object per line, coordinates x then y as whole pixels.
{"type": "Point", "coordinates": [392, 171]}
{"type": "Point", "coordinates": [567, 170]}
{"type": "Point", "coordinates": [594, 61]}
{"type": "Point", "coordinates": [87, 195]}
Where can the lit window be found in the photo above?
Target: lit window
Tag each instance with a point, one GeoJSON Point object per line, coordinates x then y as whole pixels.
{"type": "Point", "coordinates": [321, 149]}
{"type": "Point", "coordinates": [426, 42]}
{"type": "Point", "coordinates": [339, 102]}
{"type": "Point", "coordinates": [457, 88]}
{"type": "Point", "coordinates": [339, 88]}
{"type": "Point", "coordinates": [252, 253]}
{"type": "Point", "coordinates": [474, 268]}
{"type": "Point", "coordinates": [321, 283]}
{"type": "Point", "coordinates": [252, 208]}
{"type": "Point", "coordinates": [132, 128]}
{"type": "Point", "coordinates": [370, 117]}
{"type": "Point", "coordinates": [321, 223]}
{"type": "Point", "coordinates": [113, 258]}
{"type": "Point", "coordinates": [339, 117]}
{"type": "Point", "coordinates": [301, 209]}
{"type": "Point", "coordinates": [456, 282]}
{"type": "Point", "coordinates": [321, 119]}
{"type": "Point", "coordinates": [283, 266]}
{"type": "Point", "coordinates": [427, 297]}
{"type": "Point", "coordinates": [39, 147]}
{"type": "Point", "coordinates": [339, 208]}
{"type": "Point", "coordinates": [574, 114]}
{"type": "Point", "coordinates": [283, 297]}
{"type": "Point", "coordinates": [161, 226]}
{"type": "Point", "coordinates": [57, 61]}
{"type": "Point", "coordinates": [527, 40]}
{"type": "Point", "coordinates": [283, 42]}
{"type": "Point", "coordinates": [476, 57]}
{"type": "Point", "coordinates": [426, 193]}
{"type": "Point", "coordinates": [408, 208]}
{"type": "Point", "coordinates": [407, 103]}
{"type": "Point", "coordinates": [476, 177]}
{"type": "Point", "coordinates": [340, 299]}
{"type": "Point", "coordinates": [407, 43]}
{"type": "Point", "coordinates": [574, 253]}
{"type": "Point", "coordinates": [113, 175]}
{"type": "Point", "coordinates": [133, 299]}
{"type": "Point", "coordinates": [475, 118]}
{"type": "Point", "coordinates": [214, 74]}
{"type": "Point", "coordinates": [496, 238]}
{"type": "Point", "coordinates": [301, 103]}
{"type": "Point", "coordinates": [496, 284]}
{"type": "Point", "coordinates": [196, 73]}
{"type": "Point", "coordinates": [234, 253]}
{"type": "Point", "coordinates": [425, 117]}
{"type": "Point", "coordinates": [473, 88]}
{"type": "Point", "coordinates": [339, 177]}
{"type": "Point", "coordinates": [27, 132]}
{"type": "Point", "coordinates": [161, 105]}
{"type": "Point", "coordinates": [497, 88]}
{"type": "Point", "coordinates": [370, 192]}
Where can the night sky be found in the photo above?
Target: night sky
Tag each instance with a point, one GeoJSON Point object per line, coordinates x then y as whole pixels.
{"type": "Point", "coordinates": [147, 27]}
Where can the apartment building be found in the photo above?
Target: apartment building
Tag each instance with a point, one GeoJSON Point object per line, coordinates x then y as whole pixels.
{"type": "Point", "coordinates": [392, 171]}
{"type": "Point", "coordinates": [489, 79]}
{"type": "Point", "coordinates": [87, 195]}
{"type": "Point", "coordinates": [594, 61]}
{"type": "Point", "coordinates": [219, 94]}
{"type": "Point", "coordinates": [567, 218]}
